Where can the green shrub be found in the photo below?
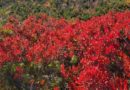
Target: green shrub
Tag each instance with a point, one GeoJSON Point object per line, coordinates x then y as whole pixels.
{"type": "Point", "coordinates": [83, 9]}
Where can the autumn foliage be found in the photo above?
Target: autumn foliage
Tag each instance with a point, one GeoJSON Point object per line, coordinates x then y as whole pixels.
{"type": "Point", "coordinates": [89, 55]}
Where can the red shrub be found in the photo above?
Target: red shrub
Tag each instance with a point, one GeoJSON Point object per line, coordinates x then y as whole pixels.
{"type": "Point", "coordinates": [93, 54]}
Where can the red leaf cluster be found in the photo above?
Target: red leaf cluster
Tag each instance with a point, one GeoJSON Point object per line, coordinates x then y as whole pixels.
{"type": "Point", "coordinates": [101, 47]}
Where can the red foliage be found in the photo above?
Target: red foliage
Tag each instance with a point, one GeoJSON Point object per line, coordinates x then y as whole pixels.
{"type": "Point", "coordinates": [56, 88]}
{"type": "Point", "coordinates": [100, 45]}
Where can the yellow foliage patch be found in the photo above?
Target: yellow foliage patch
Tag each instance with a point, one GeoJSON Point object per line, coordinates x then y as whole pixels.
{"type": "Point", "coordinates": [127, 1]}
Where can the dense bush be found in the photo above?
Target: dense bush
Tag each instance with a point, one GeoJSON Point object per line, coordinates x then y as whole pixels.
{"type": "Point", "coordinates": [68, 9]}
{"type": "Point", "coordinates": [43, 52]}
